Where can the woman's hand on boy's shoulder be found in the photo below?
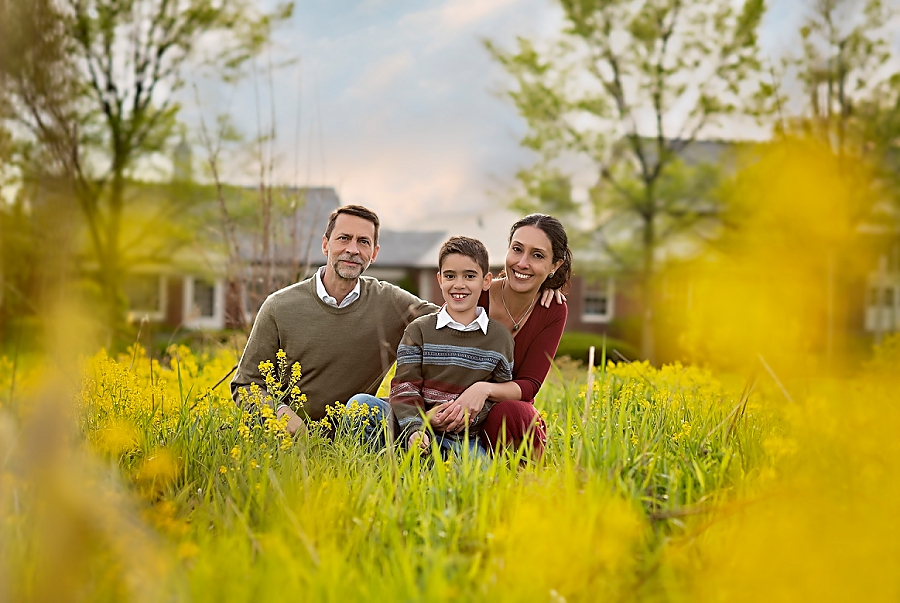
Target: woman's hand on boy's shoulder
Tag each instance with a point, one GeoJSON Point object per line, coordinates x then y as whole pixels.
{"type": "Point", "coordinates": [548, 294]}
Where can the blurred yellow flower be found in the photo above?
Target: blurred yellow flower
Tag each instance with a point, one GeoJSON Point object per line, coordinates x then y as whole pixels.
{"type": "Point", "coordinates": [160, 467]}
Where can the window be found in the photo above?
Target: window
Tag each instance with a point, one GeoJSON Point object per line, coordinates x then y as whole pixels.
{"type": "Point", "coordinates": [204, 303]}
{"type": "Point", "coordinates": [881, 296]}
{"type": "Point", "coordinates": [598, 299]}
{"type": "Point", "coordinates": [204, 298]}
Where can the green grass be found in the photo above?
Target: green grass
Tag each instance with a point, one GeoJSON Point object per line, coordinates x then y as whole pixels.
{"type": "Point", "coordinates": [640, 495]}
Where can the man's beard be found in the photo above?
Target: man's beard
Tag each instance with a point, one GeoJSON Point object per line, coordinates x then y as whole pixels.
{"type": "Point", "coordinates": [347, 272]}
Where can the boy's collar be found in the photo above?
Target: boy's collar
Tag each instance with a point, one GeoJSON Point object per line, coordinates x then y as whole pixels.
{"type": "Point", "coordinates": [481, 320]}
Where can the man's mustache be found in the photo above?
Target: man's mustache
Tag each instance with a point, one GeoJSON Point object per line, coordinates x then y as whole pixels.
{"type": "Point", "coordinates": [349, 257]}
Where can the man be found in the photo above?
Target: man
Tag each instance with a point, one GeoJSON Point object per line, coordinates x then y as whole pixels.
{"type": "Point", "coordinates": [343, 328]}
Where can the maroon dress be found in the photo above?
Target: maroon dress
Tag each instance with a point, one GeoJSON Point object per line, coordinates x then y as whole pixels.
{"type": "Point", "coordinates": [536, 341]}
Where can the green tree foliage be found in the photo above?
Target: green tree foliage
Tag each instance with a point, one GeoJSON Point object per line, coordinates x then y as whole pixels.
{"type": "Point", "coordinates": [30, 43]}
{"type": "Point", "coordinates": [629, 86]}
{"type": "Point", "coordinates": [843, 67]}
{"type": "Point", "coordinates": [89, 114]}
{"type": "Point", "coordinates": [851, 102]}
{"type": "Point", "coordinates": [851, 88]}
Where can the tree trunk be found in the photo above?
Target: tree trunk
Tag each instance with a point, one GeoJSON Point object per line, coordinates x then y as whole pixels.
{"type": "Point", "coordinates": [2, 291]}
{"type": "Point", "coordinates": [648, 334]}
{"type": "Point", "coordinates": [109, 257]}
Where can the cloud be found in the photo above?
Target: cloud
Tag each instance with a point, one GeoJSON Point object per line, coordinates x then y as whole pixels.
{"type": "Point", "coordinates": [382, 74]}
{"type": "Point", "coordinates": [462, 13]}
{"type": "Point", "coordinates": [395, 104]}
{"type": "Point", "coordinates": [407, 120]}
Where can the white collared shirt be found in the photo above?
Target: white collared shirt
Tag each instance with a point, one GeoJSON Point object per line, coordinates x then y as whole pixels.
{"type": "Point", "coordinates": [481, 320]}
{"type": "Point", "coordinates": [323, 294]}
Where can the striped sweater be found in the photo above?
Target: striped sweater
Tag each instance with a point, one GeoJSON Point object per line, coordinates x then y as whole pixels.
{"type": "Point", "coordinates": [436, 365]}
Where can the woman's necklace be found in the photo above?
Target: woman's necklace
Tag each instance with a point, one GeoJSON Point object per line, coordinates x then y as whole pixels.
{"type": "Point", "coordinates": [515, 322]}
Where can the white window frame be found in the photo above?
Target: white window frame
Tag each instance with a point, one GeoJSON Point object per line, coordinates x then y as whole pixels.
{"type": "Point", "coordinates": [610, 301]}
{"type": "Point", "coordinates": [136, 314]}
{"type": "Point", "coordinates": [880, 316]}
{"type": "Point", "coordinates": [192, 318]}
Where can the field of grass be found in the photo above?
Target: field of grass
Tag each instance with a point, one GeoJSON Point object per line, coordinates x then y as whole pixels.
{"type": "Point", "coordinates": [668, 484]}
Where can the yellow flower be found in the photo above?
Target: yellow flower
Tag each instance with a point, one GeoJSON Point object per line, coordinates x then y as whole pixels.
{"type": "Point", "coordinates": [160, 468]}
{"type": "Point", "coordinates": [235, 453]}
{"type": "Point", "coordinates": [222, 469]}
{"type": "Point", "coordinates": [187, 550]}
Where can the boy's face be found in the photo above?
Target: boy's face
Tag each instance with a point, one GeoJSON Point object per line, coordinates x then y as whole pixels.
{"type": "Point", "coordinates": [462, 282]}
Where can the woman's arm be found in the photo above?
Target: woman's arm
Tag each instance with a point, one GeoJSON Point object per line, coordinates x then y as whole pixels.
{"type": "Point", "coordinates": [530, 374]}
{"type": "Point", "coordinates": [527, 378]}
{"type": "Point", "coordinates": [451, 416]}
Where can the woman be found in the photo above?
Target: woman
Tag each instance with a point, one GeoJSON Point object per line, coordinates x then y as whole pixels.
{"type": "Point", "coordinates": [538, 259]}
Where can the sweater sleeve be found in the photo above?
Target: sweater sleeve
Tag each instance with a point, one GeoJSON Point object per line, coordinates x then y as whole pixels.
{"type": "Point", "coordinates": [503, 371]}
{"type": "Point", "coordinates": [534, 365]}
{"type": "Point", "coordinates": [411, 307]}
{"type": "Point", "coordinates": [406, 386]}
{"type": "Point", "coordinates": [262, 344]}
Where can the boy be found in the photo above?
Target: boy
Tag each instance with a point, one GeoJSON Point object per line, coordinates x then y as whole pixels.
{"type": "Point", "coordinates": [442, 354]}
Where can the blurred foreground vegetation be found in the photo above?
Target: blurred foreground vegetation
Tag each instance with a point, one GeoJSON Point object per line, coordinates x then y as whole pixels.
{"type": "Point", "coordinates": [675, 486]}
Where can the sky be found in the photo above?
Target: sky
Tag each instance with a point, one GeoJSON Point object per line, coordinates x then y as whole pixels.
{"type": "Point", "coordinates": [399, 105]}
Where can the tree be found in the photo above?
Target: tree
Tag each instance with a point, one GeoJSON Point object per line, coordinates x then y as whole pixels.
{"type": "Point", "coordinates": [843, 64]}
{"type": "Point", "coordinates": [629, 87]}
{"type": "Point", "coordinates": [30, 44]}
{"type": "Point", "coordinates": [108, 102]}
{"type": "Point", "coordinates": [851, 103]}
{"type": "Point", "coordinates": [851, 88]}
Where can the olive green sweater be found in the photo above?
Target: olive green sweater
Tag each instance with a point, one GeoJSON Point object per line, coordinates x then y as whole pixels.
{"type": "Point", "coordinates": [341, 351]}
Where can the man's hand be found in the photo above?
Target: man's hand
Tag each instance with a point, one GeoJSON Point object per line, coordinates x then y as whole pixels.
{"type": "Point", "coordinates": [295, 424]}
{"type": "Point", "coordinates": [419, 439]}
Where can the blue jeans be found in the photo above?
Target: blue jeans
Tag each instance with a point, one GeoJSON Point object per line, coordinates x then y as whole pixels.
{"type": "Point", "coordinates": [453, 443]}
{"type": "Point", "coordinates": [379, 419]}
{"type": "Point", "coordinates": [373, 424]}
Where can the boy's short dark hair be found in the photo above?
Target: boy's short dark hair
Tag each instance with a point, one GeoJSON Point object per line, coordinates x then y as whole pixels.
{"type": "Point", "coordinates": [467, 246]}
{"type": "Point", "coordinates": [353, 210]}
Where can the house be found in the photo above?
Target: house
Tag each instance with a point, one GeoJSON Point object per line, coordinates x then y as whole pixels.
{"type": "Point", "coordinates": [211, 283]}
{"type": "Point", "coordinates": [202, 288]}
{"type": "Point", "coordinates": [881, 305]}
